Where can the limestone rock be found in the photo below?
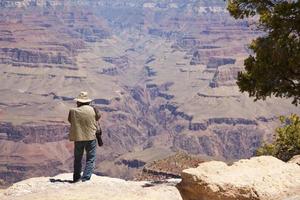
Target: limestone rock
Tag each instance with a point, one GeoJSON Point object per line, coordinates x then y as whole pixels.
{"type": "Point", "coordinates": [215, 62]}
{"type": "Point", "coordinates": [97, 188]}
{"type": "Point", "coordinates": [295, 159]}
{"type": "Point", "coordinates": [259, 178]}
{"type": "Point", "coordinates": [225, 76]}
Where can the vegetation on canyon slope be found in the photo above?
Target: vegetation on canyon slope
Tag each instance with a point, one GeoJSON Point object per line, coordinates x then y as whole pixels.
{"type": "Point", "coordinates": [287, 142]}
{"type": "Point", "coordinates": [274, 68]}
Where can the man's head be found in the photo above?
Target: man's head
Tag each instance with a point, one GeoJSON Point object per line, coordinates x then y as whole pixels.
{"type": "Point", "coordinates": [83, 99]}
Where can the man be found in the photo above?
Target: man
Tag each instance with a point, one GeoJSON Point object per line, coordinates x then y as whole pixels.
{"type": "Point", "coordinates": [83, 121]}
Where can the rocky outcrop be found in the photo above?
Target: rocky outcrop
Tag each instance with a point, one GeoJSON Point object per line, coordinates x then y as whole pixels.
{"type": "Point", "coordinates": [204, 55]}
{"type": "Point", "coordinates": [70, 46]}
{"type": "Point", "coordinates": [224, 141]}
{"type": "Point", "coordinates": [59, 187]}
{"type": "Point", "coordinates": [111, 71]}
{"type": "Point", "coordinates": [150, 71]}
{"type": "Point", "coordinates": [92, 34]}
{"type": "Point", "coordinates": [135, 163]}
{"type": "Point", "coordinates": [225, 76]}
{"type": "Point", "coordinates": [19, 160]}
{"type": "Point", "coordinates": [14, 172]}
{"type": "Point", "coordinates": [170, 167]}
{"type": "Point", "coordinates": [119, 63]}
{"type": "Point", "coordinates": [175, 112]}
{"type": "Point", "coordinates": [163, 33]}
{"type": "Point", "coordinates": [228, 121]}
{"type": "Point", "coordinates": [28, 56]}
{"type": "Point", "coordinates": [260, 178]}
{"type": "Point", "coordinates": [6, 36]}
{"type": "Point", "coordinates": [187, 42]}
{"type": "Point", "coordinates": [196, 59]}
{"type": "Point", "coordinates": [215, 62]}
{"type": "Point", "coordinates": [102, 101]}
{"type": "Point", "coordinates": [30, 133]}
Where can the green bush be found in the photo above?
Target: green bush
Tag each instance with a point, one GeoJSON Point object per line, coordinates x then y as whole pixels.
{"type": "Point", "coordinates": [287, 139]}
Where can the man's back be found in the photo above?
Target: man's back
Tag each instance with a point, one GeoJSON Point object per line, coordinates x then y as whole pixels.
{"type": "Point", "coordinates": [83, 123]}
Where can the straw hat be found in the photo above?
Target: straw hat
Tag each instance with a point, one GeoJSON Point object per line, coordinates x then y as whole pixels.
{"type": "Point", "coordinates": [83, 97]}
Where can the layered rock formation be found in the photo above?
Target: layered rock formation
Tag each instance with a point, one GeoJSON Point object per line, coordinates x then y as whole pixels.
{"type": "Point", "coordinates": [169, 167]}
{"type": "Point", "coordinates": [162, 73]}
{"type": "Point", "coordinates": [260, 178]}
{"type": "Point", "coordinates": [34, 133]}
{"type": "Point", "coordinates": [225, 76]}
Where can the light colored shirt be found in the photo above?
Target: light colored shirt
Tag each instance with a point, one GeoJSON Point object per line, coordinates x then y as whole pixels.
{"type": "Point", "coordinates": [83, 123]}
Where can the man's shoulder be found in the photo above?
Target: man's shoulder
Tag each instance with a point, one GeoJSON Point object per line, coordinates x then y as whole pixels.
{"type": "Point", "coordinates": [87, 107]}
{"type": "Point", "coordinates": [71, 109]}
{"type": "Point", "coordinates": [75, 109]}
{"type": "Point", "coordinates": [79, 109]}
{"type": "Point", "coordinates": [82, 109]}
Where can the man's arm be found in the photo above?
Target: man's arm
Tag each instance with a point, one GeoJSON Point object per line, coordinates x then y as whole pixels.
{"type": "Point", "coordinates": [69, 116]}
{"type": "Point", "coordinates": [97, 113]}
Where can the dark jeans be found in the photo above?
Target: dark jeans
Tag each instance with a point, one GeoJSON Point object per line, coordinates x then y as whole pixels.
{"type": "Point", "coordinates": [90, 148]}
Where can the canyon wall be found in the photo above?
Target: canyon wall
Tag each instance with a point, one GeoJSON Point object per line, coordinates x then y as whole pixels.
{"type": "Point", "coordinates": [162, 73]}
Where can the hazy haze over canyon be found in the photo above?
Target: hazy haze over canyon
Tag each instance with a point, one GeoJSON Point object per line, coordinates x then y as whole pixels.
{"type": "Point", "coordinates": [163, 74]}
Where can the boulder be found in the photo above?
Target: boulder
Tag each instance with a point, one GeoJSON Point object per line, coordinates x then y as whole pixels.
{"type": "Point", "coordinates": [258, 178]}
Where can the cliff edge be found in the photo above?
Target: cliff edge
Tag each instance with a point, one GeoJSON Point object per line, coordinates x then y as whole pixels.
{"type": "Point", "coordinates": [258, 178]}
{"type": "Point", "coordinates": [49, 188]}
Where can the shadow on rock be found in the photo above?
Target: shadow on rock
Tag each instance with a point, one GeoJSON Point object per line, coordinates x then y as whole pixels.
{"type": "Point", "coordinates": [52, 180]}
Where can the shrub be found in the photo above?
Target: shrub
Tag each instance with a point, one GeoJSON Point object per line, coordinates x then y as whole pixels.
{"type": "Point", "coordinates": [287, 139]}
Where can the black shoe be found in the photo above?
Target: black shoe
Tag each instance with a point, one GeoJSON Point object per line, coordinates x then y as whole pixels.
{"type": "Point", "coordinates": [75, 180]}
{"type": "Point", "coordinates": [85, 179]}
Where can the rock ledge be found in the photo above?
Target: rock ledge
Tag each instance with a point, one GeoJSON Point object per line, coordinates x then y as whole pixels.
{"type": "Point", "coordinates": [259, 178]}
{"type": "Point", "coordinates": [98, 188]}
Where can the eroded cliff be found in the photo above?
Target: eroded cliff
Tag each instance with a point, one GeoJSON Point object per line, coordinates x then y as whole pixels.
{"type": "Point", "coordinates": [162, 73]}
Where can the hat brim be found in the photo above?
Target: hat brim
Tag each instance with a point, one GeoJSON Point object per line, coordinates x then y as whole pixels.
{"type": "Point", "coordinates": [83, 100]}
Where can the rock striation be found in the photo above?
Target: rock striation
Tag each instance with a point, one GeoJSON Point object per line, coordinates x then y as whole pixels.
{"type": "Point", "coordinates": [98, 188]}
{"type": "Point", "coordinates": [30, 133]}
{"type": "Point", "coordinates": [225, 76]}
{"type": "Point", "coordinates": [148, 64]}
{"type": "Point", "coordinates": [215, 62]}
{"type": "Point", "coordinates": [259, 178]}
{"type": "Point", "coordinates": [25, 56]}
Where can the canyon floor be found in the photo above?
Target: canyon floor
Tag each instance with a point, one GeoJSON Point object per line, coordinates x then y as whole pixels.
{"type": "Point", "coordinates": [162, 74]}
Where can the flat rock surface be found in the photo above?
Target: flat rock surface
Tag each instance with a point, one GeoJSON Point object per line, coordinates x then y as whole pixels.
{"type": "Point", "coordinates": [97, 188]}
{"type": "Point", "coordinates": [259, 178]}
